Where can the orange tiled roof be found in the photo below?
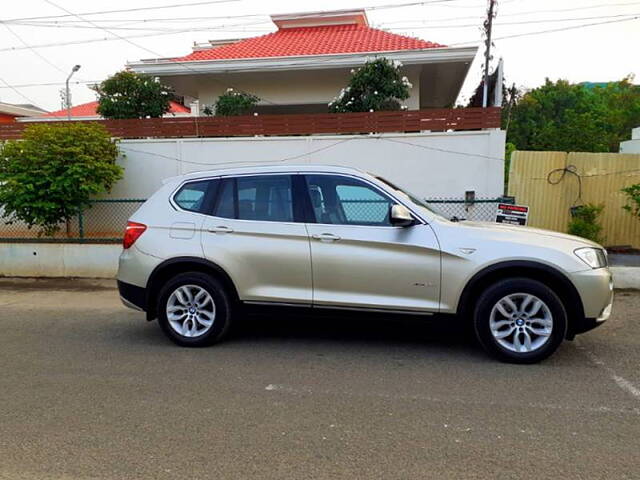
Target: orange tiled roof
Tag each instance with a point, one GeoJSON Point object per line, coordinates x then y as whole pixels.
{"type": "Point", "coordinates": [89, 110]}
{"type": "Point", "coordinates": [321, 40]}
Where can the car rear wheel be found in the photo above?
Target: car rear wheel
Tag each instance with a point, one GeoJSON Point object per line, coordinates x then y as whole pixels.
{"type": "Point", "coordinates": [194, 310]}
{"type": "Point", "coordinates": [520, 320]}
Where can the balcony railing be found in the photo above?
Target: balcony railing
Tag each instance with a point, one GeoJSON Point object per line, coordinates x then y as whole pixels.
{"type": "Point", "coordinates": [437, 120]}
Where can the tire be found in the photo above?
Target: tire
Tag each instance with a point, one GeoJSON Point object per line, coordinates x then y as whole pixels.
{"type": "Point", "coordinates": [206, 316]}
{"type": "Point", "coordinates": [538, 324]}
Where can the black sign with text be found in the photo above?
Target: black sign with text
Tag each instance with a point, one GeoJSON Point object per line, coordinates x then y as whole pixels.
{"type": "Point", "coordinates": [512, 214]}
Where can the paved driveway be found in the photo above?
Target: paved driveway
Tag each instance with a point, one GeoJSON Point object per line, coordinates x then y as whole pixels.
{"type": "Point", "coordinates": [90, 390]}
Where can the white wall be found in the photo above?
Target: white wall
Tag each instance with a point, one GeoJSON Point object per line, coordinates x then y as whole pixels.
{"type": "Point", "coordinates": [633, 145]}
{"type": "Point", "coordinates": [283, 88]}
{"type": "Point", "coordinates": [428, 164]}
{"type": "Point", "coordinates": [58, 260]}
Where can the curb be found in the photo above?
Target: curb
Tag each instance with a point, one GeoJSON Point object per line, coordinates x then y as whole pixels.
{"type": "Point", "coordinates": [626, 277]}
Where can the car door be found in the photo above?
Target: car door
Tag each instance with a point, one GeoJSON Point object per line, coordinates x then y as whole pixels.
{"type": "Point", "coordinates": [359, 259]}
{"type": "Point", "coordinates": [256, 234]}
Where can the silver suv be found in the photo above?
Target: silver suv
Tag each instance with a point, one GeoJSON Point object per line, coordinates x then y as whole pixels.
{"type": "Point", "coordinates": [210, 243]}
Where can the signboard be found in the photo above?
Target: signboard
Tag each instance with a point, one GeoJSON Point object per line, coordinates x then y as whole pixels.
{"type": "Point", "coordinates": [512, 214]}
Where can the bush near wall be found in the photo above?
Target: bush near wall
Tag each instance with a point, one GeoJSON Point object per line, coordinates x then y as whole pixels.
{"type": "Point", "coordinates": [50, 175]}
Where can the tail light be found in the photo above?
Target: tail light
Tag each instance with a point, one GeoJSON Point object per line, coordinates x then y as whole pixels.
{"type": "Point", "coordinates": [132, 233]}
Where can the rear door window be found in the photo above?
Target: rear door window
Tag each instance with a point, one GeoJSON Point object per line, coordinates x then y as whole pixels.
{"type": "Point", "coordinates": [266, 198]}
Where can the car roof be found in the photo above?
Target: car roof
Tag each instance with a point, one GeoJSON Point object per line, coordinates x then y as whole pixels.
{"type": "Point", "coordinates": [259, 169]}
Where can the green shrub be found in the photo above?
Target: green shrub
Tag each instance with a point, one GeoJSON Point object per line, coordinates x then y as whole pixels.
{"type": "Point", "coordinates": [633, 199]}
{"type": "Point", "coordinates": [584, 222]}
{"type": "Point", "coordinates": [232, 103]}
{"type": "Point", "coordinates": [49, 176]}
{"type": "Point", "coordinates": [377, 85]}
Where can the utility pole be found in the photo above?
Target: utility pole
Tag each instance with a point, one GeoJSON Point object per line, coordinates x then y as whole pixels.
{"type": "Point", "coordinates": [487, 53]}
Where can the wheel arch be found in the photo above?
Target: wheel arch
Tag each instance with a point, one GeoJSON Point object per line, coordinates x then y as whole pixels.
{"type": "Point", "coordinates": [551, 277]}
{"type": "Point", "coordinates": [174, 266]}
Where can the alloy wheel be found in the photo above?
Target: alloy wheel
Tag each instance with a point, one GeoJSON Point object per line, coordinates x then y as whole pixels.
{"type": "Point", "coordinates": [191, 311]}
{"type": "Point", "coordinates": [521, 322]}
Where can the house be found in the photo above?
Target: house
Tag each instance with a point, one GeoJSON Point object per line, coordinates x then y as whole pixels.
{"type": "Point", "coordinates": [302, 66]}
{"type": "Point", "coordinates": [632, 145]}
{"type": "Point", "coordinates": [88, 111]}
{"type": "Point", "coordinates": [9, 112]}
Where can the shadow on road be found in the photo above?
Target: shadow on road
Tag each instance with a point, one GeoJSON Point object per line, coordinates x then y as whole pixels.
{"type": "Point", "coordinates": [358, 329]}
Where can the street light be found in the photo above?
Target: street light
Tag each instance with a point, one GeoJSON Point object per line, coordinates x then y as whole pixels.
{"type": "Point", "coordinates": [68, 93]}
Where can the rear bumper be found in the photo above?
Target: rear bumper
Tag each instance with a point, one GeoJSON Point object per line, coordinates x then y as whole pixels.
{"type": "Point", "coordinates": [133, 296]}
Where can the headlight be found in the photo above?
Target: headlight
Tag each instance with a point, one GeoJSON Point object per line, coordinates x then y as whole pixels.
{"type": "Point", "coordinates": [594, 257]}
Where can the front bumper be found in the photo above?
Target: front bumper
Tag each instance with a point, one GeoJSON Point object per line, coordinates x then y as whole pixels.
{"type": "Point", "coordinates": [595, 288]}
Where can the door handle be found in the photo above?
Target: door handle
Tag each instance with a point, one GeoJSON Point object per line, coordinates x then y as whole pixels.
{"type": "Point", "coordinates": [326, 237]}
{"type": "Point", "coordinates": [220, 229]}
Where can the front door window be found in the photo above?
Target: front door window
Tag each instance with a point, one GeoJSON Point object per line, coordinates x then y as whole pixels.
{"type": "Point", "coordinates": [338, 200]}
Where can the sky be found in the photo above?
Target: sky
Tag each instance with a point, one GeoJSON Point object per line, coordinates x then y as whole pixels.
{"type": "Point", "coordinates": [36, 69]}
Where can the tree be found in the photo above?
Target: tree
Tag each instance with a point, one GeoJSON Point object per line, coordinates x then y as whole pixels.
{"type": "Point", "coordinates": [574, 117]}
{"type": "Point", "coordinates": [232, 103]}
{"type": "Point", "coordinates": [378, 85]}
{"type": "Point", "coordinates": [49, 176]}
{"type": "Point", "coordinates": [132, 95]}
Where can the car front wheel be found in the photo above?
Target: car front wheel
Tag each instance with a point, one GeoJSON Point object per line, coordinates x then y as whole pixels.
{"type": "Point", "coordinates": [194, 310]}
{"type": "Point", "coordinates": [520, 320]}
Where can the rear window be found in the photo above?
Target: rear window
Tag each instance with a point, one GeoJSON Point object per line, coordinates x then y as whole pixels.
{"type": "Point", "coordinates": [193, 196]}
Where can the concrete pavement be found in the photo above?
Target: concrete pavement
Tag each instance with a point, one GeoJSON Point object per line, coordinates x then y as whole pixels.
{"type": "Point", "coordinates": [89, 390]}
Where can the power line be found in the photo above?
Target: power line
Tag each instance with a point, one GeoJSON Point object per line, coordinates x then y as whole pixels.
{"type": "Point", "coordinates": [51, 84]}
{"type": "Point", "coordinates": [140, 20]}
{"type": "Point", "coordinates": [138, 9]}
{"type": "Point", "coordinates": [444, 150]}
{"type": "Point", "coordinates": [306, 154]}
{"type": "Point", "coordinates": [586, 7]}
{"type": "Point", "coordinates": [104, 39]}
{"type": "Point", "coordinates": [229, 27]}
{"type": "Point", "coordinates": [34, 51]}
{"type": "Point", "coordinates": [285, 159]}
{"type": "Point", "coordinates": [191, 4]}
{"type": "Point", "coordinates": [90, 27]}
{"type": "Point", "coordinates": [157, 28]}
{"type": "Point", "coordinates": [524, 22]}
{"type": "Point", "coordinates": [110, 39]}
{"type": "Point", "coordinates": [540, 32]}
{"type": "Point", "coordinates": [17, 91]}
{"type": "Point", "coordinates": [516, 14]}
{"type": "Point", "coordinates": [416, 4]}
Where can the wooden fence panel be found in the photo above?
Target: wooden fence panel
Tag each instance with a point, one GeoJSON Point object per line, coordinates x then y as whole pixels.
{"type": "Point", "coordinates": [602, 176]}
{"type": "Point", "coordinates": [303, 124]}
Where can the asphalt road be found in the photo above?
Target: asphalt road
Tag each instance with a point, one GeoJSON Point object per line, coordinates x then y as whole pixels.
{"type": "Point", "coordinates": [90, 390]}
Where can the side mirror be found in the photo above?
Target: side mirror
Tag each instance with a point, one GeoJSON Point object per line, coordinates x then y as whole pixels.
{"type": "Point", "coordinates": [400, 216]}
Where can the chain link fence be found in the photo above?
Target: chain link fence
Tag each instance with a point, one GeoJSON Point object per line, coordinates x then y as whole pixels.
{"type": "Point", "coordinates": [479, 209]}
{"type": "Point", "coordinates": [103, 222]}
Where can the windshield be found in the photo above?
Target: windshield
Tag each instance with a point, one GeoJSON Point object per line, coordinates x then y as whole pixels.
{"type": "Point", "coordinates": [412, 197]}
